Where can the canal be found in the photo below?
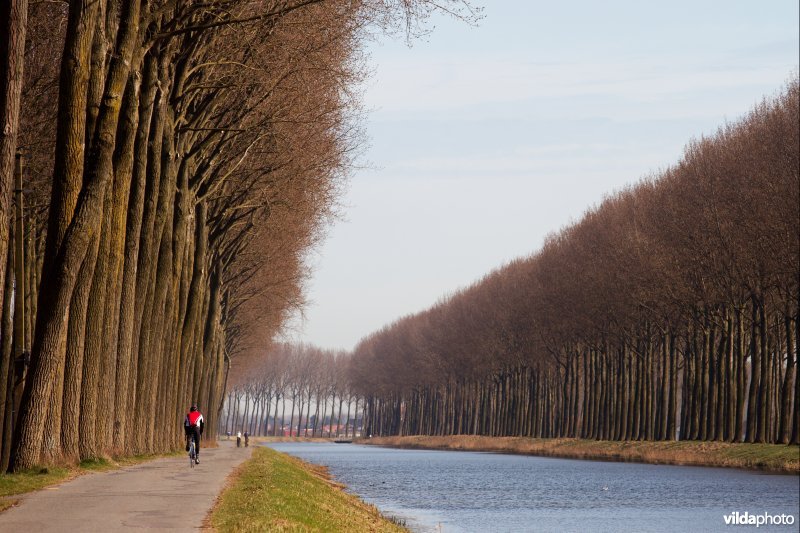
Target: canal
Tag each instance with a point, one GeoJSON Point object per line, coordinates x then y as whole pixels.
{"type": "Point", "coordinates": [485, 492]}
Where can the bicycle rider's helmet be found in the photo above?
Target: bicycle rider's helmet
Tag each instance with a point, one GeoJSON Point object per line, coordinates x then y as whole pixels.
{"type": "Point", "coordinates": [193, 408]}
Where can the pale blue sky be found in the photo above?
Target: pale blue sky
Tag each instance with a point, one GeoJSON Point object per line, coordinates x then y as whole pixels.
{"type": "Point", "coordinates": [485, 139]}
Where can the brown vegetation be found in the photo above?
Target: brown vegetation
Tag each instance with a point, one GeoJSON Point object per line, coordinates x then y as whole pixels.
{"type": "Point", "coordinates": [179, 159]}
{"type": "Point", "coordinates": [670, 311]}
{"type": "Point", "coordinates": [767, 457]}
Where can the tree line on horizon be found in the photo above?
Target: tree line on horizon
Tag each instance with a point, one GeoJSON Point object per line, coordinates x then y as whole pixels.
{"type": "Point", "coordinates": [174, 161]}
{"type": "Point", "coordinates": [669, 311]}
{"type": "Point", "coordinates": [312, 383]}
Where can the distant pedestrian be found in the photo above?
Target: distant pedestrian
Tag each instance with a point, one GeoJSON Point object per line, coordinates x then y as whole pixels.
{"type": "Point", "coordinates": [246, 440]}
{"type": "Point", "coordinates": [239, 439]}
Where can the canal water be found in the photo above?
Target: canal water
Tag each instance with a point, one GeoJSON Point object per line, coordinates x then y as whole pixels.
{"type": "Point", "coordinates": [485, 492]}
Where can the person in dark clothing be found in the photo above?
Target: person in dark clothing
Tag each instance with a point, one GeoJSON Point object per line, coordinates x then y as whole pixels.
{"type": "Point", "coordinates": [246, 440]}
{"type": "Point", "coordinates": [193, 426]}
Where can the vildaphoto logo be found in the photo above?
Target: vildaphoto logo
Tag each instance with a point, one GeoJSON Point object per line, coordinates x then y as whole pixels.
{"type": "Point", "coordinates": [764, 519]}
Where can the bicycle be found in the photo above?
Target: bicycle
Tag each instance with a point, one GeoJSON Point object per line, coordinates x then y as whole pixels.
{"type": "Point", "coordinates": [192, 453]}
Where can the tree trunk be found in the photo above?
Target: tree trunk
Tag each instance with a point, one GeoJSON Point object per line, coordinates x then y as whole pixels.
{"type": "Point", "coordinates": [13, 28]}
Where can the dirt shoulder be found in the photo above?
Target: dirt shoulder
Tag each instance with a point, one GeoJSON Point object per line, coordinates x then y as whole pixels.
{"type": "Point", "coordinates": [766, 457]}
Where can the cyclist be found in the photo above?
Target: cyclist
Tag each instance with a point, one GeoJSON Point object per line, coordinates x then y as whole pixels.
{"type": "Point", "coordinates": [193, 426]}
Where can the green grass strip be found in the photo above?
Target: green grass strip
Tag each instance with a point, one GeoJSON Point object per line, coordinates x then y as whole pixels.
{"type": "Point", "coordinates": [33, 479]}
{"type": "Point", "coordinates": [41, 477]}
{"type": "Point", "coordinates": [275, 492]}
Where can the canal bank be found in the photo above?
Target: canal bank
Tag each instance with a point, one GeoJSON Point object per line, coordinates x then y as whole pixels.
{"type": "Point", "coordinates": [776, 458]}
{"type": "Point", "coordinates": [275, 492]}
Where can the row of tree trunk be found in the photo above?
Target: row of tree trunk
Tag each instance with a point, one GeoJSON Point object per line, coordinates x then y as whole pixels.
{"type": "Point", "coordinates": [730, 376]}
{"type": "Point", "coordinates": [669, 311]}
{"type": "Point", "coordinates": [141, 337]}
{"type": "Point", "coordinates": [123, 328]}
{"type": "Point", "coordinates": [183, 156]}
{"type": "Point", "coordinates": [265, 415]}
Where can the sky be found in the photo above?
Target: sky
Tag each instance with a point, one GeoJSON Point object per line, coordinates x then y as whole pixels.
{"type": "Point", "coordinates": [483, 140]}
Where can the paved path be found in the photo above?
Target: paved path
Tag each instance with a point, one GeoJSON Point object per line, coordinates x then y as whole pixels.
{"type": "Point", "coordinates": [164, 494]}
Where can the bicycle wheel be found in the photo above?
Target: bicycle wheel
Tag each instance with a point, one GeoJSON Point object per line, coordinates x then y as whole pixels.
{"type": "Point", "coordinates": [191, 454]}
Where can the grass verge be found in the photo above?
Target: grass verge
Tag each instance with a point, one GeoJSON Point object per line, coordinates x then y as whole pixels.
{"type": "Point", "coordinates": [42, 477]}
{"type": "Point", "coordinates": [34, 479]}
{"type": "Point", "coordinates": [767, 457]}
{"type": "Point", "coordinates": [275, 492]}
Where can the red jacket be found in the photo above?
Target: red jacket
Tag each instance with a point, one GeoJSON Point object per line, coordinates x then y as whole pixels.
{"type": "Point", "coordinates": [193, 421]}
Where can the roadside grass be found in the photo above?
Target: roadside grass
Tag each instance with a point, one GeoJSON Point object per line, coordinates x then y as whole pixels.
{"type": "Point", "coordinates": [767, 457]}
{"type": "Point", "coordinates": [7, 502]}
{"type": "Point", "coordinates": [275, 492]}
{"type": "Point", "coordinates": [33, 479]}
{"type": "Point", "coordinates": [42, 477]}
{"type": "Point", "coordinates": [30, 480]}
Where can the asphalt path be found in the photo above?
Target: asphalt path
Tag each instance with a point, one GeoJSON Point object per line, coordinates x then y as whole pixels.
{"type": "Point", "coordinates": [160, 495]}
